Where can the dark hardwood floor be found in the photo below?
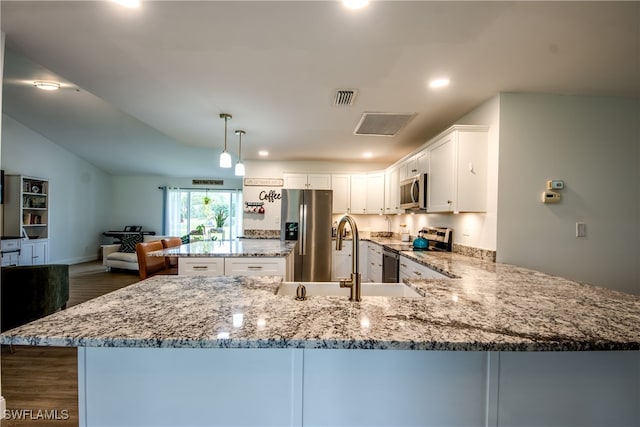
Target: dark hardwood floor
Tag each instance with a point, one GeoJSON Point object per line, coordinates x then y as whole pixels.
{"type": "Point", "coordinates": [40, 384]}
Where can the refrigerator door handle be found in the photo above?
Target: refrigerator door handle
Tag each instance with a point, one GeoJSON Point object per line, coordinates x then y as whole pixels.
{"type": "Point", "coordinates": [303, 226]}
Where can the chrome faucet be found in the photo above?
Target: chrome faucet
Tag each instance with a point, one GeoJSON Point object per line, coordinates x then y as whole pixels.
{"type": "Point", "coordinates": [354, 282]}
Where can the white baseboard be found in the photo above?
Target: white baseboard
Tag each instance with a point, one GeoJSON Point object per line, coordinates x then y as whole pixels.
{"type": "Point", "coordinates": [78, 260]}
{"type": "Point", "coordinates": [3, 407]}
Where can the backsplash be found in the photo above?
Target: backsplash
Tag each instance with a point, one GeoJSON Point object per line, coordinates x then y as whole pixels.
{"type": "Point", "coordinates": [262, 234]}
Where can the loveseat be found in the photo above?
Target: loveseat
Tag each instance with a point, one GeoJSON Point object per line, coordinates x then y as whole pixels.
{"type": "Point", "coordinates": [30, 292]}
{"type": "Point", "coordinates": [123, 255]}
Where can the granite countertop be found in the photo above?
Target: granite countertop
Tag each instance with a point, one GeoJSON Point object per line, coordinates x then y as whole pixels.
{"type": "Point", "coordinates": [490, 307]}
{"type": "Point", "coordinates": [231, 248]}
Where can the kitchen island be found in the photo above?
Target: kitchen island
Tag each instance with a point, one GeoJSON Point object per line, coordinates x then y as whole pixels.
{"type": "Point", "coordinates": [497, 346]}
{"type": "Point", "coordinates": [239, 257]}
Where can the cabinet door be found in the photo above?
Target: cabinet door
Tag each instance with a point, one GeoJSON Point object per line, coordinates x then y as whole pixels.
{"type": "Point", "coordinates": [472, 172]}
{"type": "Point", "coordinates": [295, 180]}
{"type": "Point", "coordinates": [392, 192]}
{"type": "Point", "coordinates": [375, 193]}
{"type": "Point", "coordinates": [363, 260]}
{"type": "Point", "coordinates": [359, 194]}
{"type": "Point", "coordinates": [341, 184]}
{"type": "Point", "coordinates": [440, 185]}
{"type": "Point", "coordinates": [422, 162]}
{"type": "Point", "coordinates": [254, 266]}
{"type": "Point", "coordinates": [319, 182]}
{"type": "Point", "coordinates": [413, 270]}
{"type": "Point", "coordinates": [192, 266]}
{"type": "Point", "coordinates": [34, 253]}
{"type": "Point", "coordinates": [341, 262]}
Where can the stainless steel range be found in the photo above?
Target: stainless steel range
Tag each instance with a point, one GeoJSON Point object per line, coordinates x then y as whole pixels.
{"type": "Point", "coordinates": [440, 239]}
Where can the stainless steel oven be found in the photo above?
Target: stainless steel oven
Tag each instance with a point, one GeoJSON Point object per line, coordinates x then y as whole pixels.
{"type": "Point", "coordinates": [390, 266]}
{"type": "Point", "coordinates": [413, 192]}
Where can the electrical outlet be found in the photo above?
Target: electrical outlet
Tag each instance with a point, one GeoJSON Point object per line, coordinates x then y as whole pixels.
{"type": "Point", "coordinates": [581, 229]}
{"type": "Point", "coordinates": [550, 197]}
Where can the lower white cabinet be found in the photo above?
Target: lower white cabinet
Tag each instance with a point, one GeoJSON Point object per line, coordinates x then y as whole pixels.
{"type": "Point", "coordinates": [235, 266]}
{"type": "Point", "coordinates": [341, 261]}
{"type": "Point", "coordinates": [192, 266]}
{"type": "Point", "coordinates": [255, 266]}
{"type": "Point", "coordinates": [374, 263]}
{"type": "Point", "coordinates": [34, 252]}
{"type": "Point", "coordinates": [413, 270]}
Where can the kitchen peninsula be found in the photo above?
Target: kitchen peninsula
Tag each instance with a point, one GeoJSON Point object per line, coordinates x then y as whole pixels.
{"type": "Point", "coordinates": [498, 346]}
{"type": "Point", "coordinates": [239, 257]}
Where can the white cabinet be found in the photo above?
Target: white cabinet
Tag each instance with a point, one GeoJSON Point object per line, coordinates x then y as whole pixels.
{"type": "Point", "coordinates": [392, 192]}
{"type": "Point", "coordinates": [415, 165]}
{"type": "Point", "coordinates": [375, 193]}
{"type": "Point", "coordinates": [457, 179]}
{"type": "Point", "coordinates": [255, 266]}
{"type": "Point", "coordinates": [358, 194]}
{"type": "Point", "coordinates": [341, 186]}
{"type": "Point", "coordinates": [34, 253]}
{"type": "Point", "coordinates": [205, 266]}
{"type": "Point", "coordinates": [367, 193]}
{"type": "Point", "coordinates": [342, 261]}
{"type": "Point", "coordinates": [307, 181]}
{"type": "Point", "coordinates": [413, 270]}
{"type": "Point", "coordinates": [374, 263]}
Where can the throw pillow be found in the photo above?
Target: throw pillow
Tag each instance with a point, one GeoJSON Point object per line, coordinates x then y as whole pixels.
{"type": "Point", "coordinates": [128, 243]}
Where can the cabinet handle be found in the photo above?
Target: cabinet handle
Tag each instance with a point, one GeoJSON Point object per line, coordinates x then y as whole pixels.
{"type": "Point", "coordinates": [417, 273]}
{"type": "Point", "coordinates": [255, 267]}
{"type": "Point", "coordinates": [449, 201]}
{"type": "Point", "coordinates": [403, 265]}
{"type": "Point", "coordinates": [200, 267]}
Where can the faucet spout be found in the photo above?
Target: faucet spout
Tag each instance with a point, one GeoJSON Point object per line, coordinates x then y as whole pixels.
{"type": "Point", "coordinates": [354, 282]}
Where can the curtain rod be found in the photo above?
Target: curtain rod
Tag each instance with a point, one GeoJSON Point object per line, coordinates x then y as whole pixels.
{"type": "Point", "coordinates": [197, 188]}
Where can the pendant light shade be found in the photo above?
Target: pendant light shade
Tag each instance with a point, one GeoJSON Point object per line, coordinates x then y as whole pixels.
{"type": "Point", "coordinates": [239, 166]}
{"type": "Point", "coordinates": [225, 157]}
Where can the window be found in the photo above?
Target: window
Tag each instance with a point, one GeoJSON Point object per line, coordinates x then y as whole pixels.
{"type": "Point", "coordinates": [203, 214]}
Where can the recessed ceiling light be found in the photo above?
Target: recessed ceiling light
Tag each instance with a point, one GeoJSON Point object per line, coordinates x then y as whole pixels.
{"type": "Point", "coordinates": [263, 153]}
{"type": "Point", "coordinates": [131, 4]}
{"type": "Point", "coordinates": [46, 85]}
{"type": "Point", "coordinates": [355, 4]}
{"type": "Point", "coordinates": [367, 154]}
{"type": "Point", "coordinates": [439, 83]}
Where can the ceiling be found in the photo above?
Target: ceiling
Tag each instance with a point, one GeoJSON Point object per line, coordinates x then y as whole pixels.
{"type": "Point", "coordinates": [143, 88]}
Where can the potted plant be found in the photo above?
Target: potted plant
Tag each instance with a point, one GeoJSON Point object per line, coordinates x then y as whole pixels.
{"type": "Point", "coordinates": [220, 216]}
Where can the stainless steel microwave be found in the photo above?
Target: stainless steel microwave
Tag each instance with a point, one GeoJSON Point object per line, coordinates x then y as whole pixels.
{"type": "Point", "coordinates": [413, 192]}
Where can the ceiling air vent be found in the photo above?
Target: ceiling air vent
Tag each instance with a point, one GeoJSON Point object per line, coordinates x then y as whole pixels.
{"type": "Point", "coordinates": [382, 124]}
{"type": "Point", "coordinates": [345, 97]}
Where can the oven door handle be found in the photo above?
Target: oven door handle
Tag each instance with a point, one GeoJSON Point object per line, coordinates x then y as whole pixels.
{"type": "Point", "coordinates": [415, 186]}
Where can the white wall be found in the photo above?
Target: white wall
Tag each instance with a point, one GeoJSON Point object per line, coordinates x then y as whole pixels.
{"type": "Point", "coordinates": [79, 193]}
{"type": "Point", "coordinates": [137, 200]}
{"type": "Point", "coordinates": [592, 144]}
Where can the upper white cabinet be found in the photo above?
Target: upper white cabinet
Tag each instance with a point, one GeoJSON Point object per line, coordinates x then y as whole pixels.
{"type": "Point", "coordinates": [415, 165]}
{"type": "Point", "coordinates": [457, 179]}
{"type": "Point", "coordinates": [341, 186]}
{"type": "Point", "coordinates": [358, 194]}
{"type": "Point", "coordinates": [392, 191]}
{"type": "Point", "coordinates": [307, 181]}
{"type": "Point", "coordinates": [367, 193]}
{"type": "Point", "coordinates": [375, 193]}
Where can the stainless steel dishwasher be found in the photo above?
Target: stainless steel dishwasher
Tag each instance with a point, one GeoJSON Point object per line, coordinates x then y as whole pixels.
{"type": "Point", "coordinates": [390, 266]}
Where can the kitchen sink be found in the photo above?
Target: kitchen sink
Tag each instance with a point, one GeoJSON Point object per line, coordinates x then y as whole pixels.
{"type": "Point", "coordinates": [334, 289]}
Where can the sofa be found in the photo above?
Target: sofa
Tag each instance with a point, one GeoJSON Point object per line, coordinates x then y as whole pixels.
{"type": "Point", "coordinates": [123, 255]}
{"type": "Point", "coordinates": [30, 292]}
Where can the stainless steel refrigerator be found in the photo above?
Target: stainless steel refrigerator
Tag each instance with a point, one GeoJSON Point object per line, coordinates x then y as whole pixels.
{"type": "Point", "coordinates": [306, 217]}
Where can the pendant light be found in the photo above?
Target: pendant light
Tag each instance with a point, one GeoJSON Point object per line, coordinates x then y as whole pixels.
{"type": "Point", "coordinates": [240, 165]}
{"type": "Point", "coordinates": [225, 157]}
